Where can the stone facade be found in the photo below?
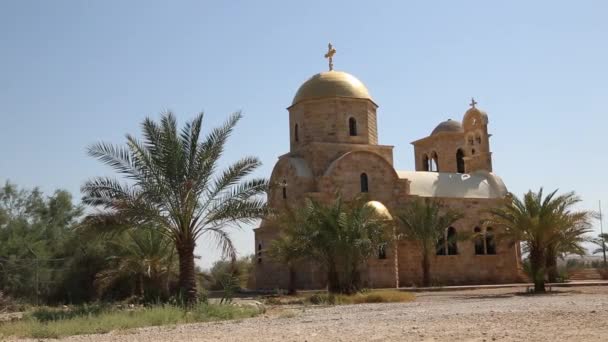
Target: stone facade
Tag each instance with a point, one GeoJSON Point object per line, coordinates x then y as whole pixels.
{"type": "Point", "coordinates": [334, 144]}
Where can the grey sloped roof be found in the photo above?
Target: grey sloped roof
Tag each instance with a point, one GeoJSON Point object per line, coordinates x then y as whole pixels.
{"type": "Point", "coordinates": [448, 126]}
{"type": "Point", "coordinates": [479, 184]}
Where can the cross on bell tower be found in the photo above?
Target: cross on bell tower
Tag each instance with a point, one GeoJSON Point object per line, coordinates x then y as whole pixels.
{"type": "Point", "coordinates": [473, 102]}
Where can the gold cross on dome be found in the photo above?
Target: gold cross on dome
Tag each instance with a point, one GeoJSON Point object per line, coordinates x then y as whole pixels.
{"type": "Point", "coordinates": [330, 55]}
{"type": "Point", "coordinates": [473, 102]}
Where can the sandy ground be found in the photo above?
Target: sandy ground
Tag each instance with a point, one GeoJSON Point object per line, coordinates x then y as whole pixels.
{"type": "Point", "coordinates": [573, 314]}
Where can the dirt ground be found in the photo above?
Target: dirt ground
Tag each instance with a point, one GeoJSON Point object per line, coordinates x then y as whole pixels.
{"type": "Point", "coordinates": [569, 314]}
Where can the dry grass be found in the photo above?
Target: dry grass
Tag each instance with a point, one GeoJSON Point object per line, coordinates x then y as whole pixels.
{"type": "Point", "coordinates": [54, 323]}
{"type": "Point", "coordinates": [323, 298]}
{"type": "Point", "coordinates": [383, 296]}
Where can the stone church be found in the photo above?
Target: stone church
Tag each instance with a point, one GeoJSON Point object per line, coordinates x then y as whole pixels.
{"type": "Point", "coordinates": [334, 146]}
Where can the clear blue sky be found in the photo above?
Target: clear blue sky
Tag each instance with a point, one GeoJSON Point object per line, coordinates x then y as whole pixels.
{"type": "Point", "coordinates": [76, 72]}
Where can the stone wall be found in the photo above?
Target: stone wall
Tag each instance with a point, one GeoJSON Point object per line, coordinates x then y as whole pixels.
{"type": "Point", "coordinates": [464, 267]}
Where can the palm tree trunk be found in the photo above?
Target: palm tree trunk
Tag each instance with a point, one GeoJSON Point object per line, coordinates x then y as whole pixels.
{"type": "Point", "coordinates": [551, 264]}
{"type": "Point", "coordinates": [291, 287]}
{"type": "Point", "coordinates": [426, 269]}
{"type": "Point", "coordinates": [140, 284]}
{"type": "Point", "coordinates": [187, 277]}
{"type": "Point", "coordinates": [537, 266]}
{"type": "Point", "coordinates": [333, 283]}
{"type": "Point", "coordinates": [355, 283]}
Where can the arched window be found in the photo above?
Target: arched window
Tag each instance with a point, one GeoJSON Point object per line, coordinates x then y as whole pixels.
{"type": "Point", "coordinates": [364, 183]}
{"type": "Point", "coordinates": [479, 248]}
{"type": "Point", "coordinates": [471, 141]}
{"type": "Point", "coordinates": [382, 251]}
{"type": "Point", "coordinates": [460, 161]}
{"type": "Point", "coordinates": [478, 139]}
{"type": "Point", "coordinates": [452, 241]}
{"type": "Point", "coordinates": [490, 243]}
{"type": "Point", "coordinates": [259, 253]}
{"type": "Point", "coordinates": [296, 134]}
{"type": "Point", "coordinates": [425, 163]}
{"type": "Point", "coordinates": [434, 163]}
{"type": "Point", "coordinates": [352, 127]}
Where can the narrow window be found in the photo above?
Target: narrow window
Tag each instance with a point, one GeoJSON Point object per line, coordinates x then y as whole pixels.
{"type": "Point", "coordinates": [490, 243]}
{"type": "Point", "coordinates": [452, 243]}
{"type": "Point", "coordinates": [364, 184]}
{"type": "Point", "coordinates": [352, 127]}
{"type": "Point", "coordinates": [479, 249]}
{"type": "Point", "coordinates": [471, 142]}
{"type": "Point", "coordinates": [460, 161]}
{"type": "Point", "coordinates": [425, 163]}
{"type": "Point", "coordinates": [478, 139]}
{"type": "Point", "coordinates": [441, 245]}
{"type": "Point", "coordinates": [284, 189]}
{"type": "Point", "coordinates": [259, 253]}
{"type": "Point", "coordinates": [296, 134]}
{"type": "Point", "coordinates": [382, 251]}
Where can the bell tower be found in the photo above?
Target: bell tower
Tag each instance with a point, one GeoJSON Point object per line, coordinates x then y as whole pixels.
{"type": "Point", "coordinates": [477, 140]}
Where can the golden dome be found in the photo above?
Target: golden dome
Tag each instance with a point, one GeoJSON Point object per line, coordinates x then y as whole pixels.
{"type": "Point", "coordinates": [380, 210]}
{"type": "Point", "coordinates": [331, 84]}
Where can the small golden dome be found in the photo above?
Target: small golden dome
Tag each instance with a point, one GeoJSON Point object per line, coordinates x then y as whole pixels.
{"type": "Point", "coordinates": [380, 210]}
{"type": "Point", "coordinates": [331, 84]}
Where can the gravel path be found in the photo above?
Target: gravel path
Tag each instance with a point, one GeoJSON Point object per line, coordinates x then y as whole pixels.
{"type": "Point", "coordinates": [577, 314]}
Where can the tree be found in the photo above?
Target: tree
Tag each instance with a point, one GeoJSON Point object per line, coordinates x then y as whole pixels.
{"type": "Point", "coordinates": [289, 248]}
{"type": "Point", "coordinates": [35, 235]}
{"type": "Point", "coordinates": [145, 258]}
{"type": "Point", "coordinates": [174, 185]}
{"type": "Point", "coordinates": [545, 224]}
{"type": "Point", "coordinates": [221, 270]}
{"type": "Point", "coordinates": [286, 250]}
{"type": "Point", "coordinates": [340, 235]}
{"type": "Point", "coordinates": [568, 240]}
{"type": "Point", "coordinates": [600, 241]}
{"type": "Point", "coordinates": [424, 221]}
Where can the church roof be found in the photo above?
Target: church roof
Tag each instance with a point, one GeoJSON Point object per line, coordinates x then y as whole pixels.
{"type": "Point", "coordinates": [331, 84]}
{"type": "Point", "coordinates": [479, 184]}
{"type": "Point", "coordinates": [448, 126]}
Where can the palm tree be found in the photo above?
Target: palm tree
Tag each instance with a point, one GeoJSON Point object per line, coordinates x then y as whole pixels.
{"type": "Point", "coordinates": [174, 184]}
{"type": "Point", "coordinates": [547, 225]}
{"type": "Point", "coordinates": [287, 249]}
{"type": "Point", "coordinates": [600, 241]}
{"type": "Point", "coordinates": [424, 221]}
{"type": "Point", "coordinates": [144, 256]}
{"type": "Point", "coordinates": [569, 239]}
{"type": "Point", "coordinates": [341, 236]}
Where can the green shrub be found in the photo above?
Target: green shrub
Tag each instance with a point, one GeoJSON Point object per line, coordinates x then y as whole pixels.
{"type": "Point", "coordinates": [55, 323]}
{"type": "Point", "coordinates": [46, 314]}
